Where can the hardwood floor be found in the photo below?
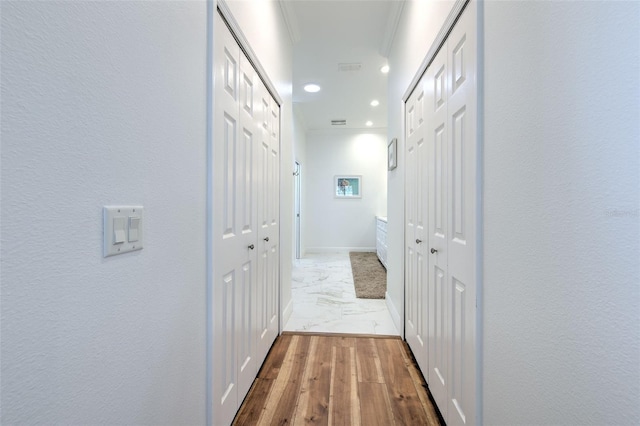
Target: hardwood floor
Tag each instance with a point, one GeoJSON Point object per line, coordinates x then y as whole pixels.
{"type": "Point", "coordinates": [338, 380]}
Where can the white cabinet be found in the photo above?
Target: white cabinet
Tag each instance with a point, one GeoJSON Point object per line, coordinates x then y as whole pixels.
{"type": "Point", "coordinates": [381, 239]}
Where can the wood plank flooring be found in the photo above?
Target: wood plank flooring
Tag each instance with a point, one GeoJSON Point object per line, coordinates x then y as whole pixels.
{"type": "Point", "coordinates": [328, 379]}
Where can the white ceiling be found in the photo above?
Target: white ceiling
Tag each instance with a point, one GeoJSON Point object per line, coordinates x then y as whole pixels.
{"type": "Point", "coordinates": [326, 33]}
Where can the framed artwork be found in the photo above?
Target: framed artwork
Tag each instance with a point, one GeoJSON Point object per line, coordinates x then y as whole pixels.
{"type": "Point", "coordinates": [347, 186]}
{"type": "Point", "coordinates": [392, 154]}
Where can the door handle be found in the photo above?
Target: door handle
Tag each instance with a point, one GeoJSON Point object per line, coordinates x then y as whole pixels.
{"type": "Point", "coordinates": [418, 241]}
{"type": "Point", "coordinates": [251, 247]}
{"type": "Point", "coordinates": [433, 251]}
{"type": "Point", "coordinates": [266, 239]}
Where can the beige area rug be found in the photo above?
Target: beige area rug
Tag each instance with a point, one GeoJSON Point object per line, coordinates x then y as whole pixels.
{"type": "Point", "coordinates": [369, 276]}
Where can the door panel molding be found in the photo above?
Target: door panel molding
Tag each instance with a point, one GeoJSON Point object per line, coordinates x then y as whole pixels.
{"type": "Point", "coordinates": [416, 258]}
{"type": "Point", "coordinates": [236, 31]}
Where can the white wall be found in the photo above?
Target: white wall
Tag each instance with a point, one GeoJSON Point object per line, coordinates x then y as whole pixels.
{"type": "Point", "coordinates": [103, 104]}
{"type": "Point", "coordinates": [561, 200]}
{"type": "Point", "coordinates": [343, 224]}
{"type": "Point", "coordinates": [264, 27]}
{"type": "Point", "coordinates": [419, 24]}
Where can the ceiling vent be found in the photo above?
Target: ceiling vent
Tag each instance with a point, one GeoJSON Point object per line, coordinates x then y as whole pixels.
{"type": "Point", "coordinates": [349, 67]}
{"type": "Point", "coordinates": [338, 122]}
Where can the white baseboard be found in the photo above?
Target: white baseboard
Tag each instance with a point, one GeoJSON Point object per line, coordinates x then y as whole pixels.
{"type": "Point", "coordinates": [395, 316]}
{"type": "Point", "coordinates": [339, 249]}
{"type": "Point", "coordinates": [286, 314]}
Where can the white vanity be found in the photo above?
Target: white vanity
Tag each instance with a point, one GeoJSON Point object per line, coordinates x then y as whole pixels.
{"type": "Point", "coordinates": [381, 239]}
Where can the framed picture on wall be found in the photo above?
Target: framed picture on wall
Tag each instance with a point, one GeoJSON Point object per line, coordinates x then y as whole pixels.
{"type": "Point", "coordinates": [347, 186]}
{"type": "Point", "coordinates": [392, 154]}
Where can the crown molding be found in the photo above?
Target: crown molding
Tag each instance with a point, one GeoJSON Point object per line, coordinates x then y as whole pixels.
{"type": "Point", "coordinates": [286, 6]}
{"type": "Point", "coordinates": [395, 11]}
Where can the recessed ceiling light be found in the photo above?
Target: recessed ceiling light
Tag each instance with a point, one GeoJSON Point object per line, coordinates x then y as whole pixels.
{"type": "Point", "coordinates": [311, 88]}
{"type": "Point", "coordinates": [384, 69]}
{"type": "Point", "coordinates": [369, 123]}
{"type": "Point", "coordinates": [375, 102]}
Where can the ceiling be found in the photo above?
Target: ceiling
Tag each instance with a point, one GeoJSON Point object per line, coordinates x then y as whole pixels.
{"type": "Point", "coordinates": [328, 33]}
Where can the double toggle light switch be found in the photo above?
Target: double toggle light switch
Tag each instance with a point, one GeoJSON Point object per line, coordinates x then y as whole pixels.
{"type": "Point", "coordinates": [122, 229]}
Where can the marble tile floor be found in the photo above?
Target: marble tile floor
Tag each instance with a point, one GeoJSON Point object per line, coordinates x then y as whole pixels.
{"type": "Point", "coordinates": [324, 299]}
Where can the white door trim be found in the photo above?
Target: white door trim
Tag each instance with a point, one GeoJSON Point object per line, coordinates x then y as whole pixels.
{"type": "Point", "coordinates": [211, 11]}
{"type": "Point", "coordinates": [297, 209]}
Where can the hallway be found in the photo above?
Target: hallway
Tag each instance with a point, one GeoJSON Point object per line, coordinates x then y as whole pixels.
{"type": "Point", "coordinates": [324, 299]}
{"type": "Point", "coordinates": [107, 104]}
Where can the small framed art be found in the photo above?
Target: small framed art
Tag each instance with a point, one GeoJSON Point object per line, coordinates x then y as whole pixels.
{"type": "Point", "coordinates": [392, 154]}
{"type": "Point", "coordinates": [347, 186]}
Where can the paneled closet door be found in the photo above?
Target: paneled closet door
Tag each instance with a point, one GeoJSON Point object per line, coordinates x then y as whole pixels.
{"type": "Point", "coordinates": [448, 309]}
{"type": "Point", "coordinates": [415, 230]}
{"type": "Point", "coordinates": [234, 226]}
{"type": "Point", "coordinates": [247, 174]}
{"type": "Point", "coordinates": [462, 209]}
{"type": "Point", "coordinates": [438, 312]}
{"type": "Point", "coordinates": [268, 158]}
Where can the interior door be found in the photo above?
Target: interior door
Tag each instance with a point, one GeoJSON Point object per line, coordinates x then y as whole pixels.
{"type": "Point", "coordinates": [415, 235]}
{"type": "Point", "coordinates": [234, 226]}
{"type": "Point", "coordinates": [450, 132]}
{"type": "Point", "coordinates": [268, 222]}
{"type": "Point", "coordinates": [298, 201]}
{"type": "Point", "coordinates": [437, 95]}
{"type": "Point", "coordinates": [246, 190]}
{"type": "Point", "coordinates": [463, 210]}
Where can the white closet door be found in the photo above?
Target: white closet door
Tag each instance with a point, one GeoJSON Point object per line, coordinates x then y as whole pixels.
{"type": "Point", "coordinates": [437, 142]}
{"type": "Point", "coordinates": [268, 226]}
{"type": "Point", "coordinates": [462, 189]}
{"type": "Point", "coordinates": [273, 303]}
{"type": "Point", "coordinates": [249, 137]}
{"type": "Point", "coordinates": [448, 308]}
{"type": "Point", "coordinates": [416, 244]}
{"type": "Point", "coordinates": [234, 226]}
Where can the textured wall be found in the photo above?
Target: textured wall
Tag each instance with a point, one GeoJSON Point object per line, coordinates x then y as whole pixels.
{"type": "Point", "coordinates": [333, 223]}
{"type": "Point", "coordinates": [561, 197]}
{"type": "Point", "coordinates": [103, 103]}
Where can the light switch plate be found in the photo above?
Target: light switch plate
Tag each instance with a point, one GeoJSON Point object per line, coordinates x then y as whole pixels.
{"type": "Point", "coordinates": [121, 214]}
